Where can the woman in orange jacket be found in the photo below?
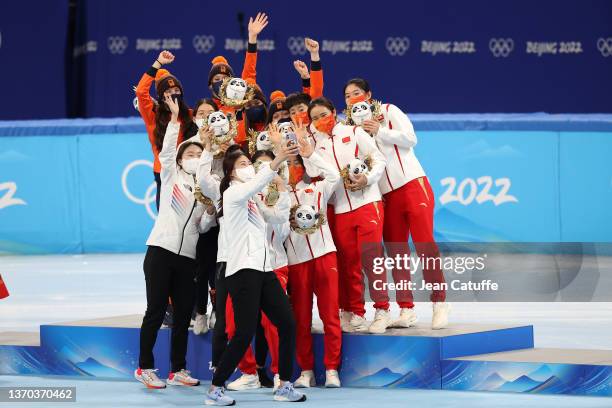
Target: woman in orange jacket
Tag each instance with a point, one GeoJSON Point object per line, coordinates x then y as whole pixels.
{"type": "Point", "coordinates": [221, 70]}
{"type": "Point", "coordinates": [156, 114]}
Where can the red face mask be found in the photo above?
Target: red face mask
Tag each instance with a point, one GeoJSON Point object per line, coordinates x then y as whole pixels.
{"type": "Point", "coordinates": [326, 124]}
{"type": "Point", "coordinates": [296, 174]}
{"type": "Point", "coordinates": [356, 99]}
{"type": "Point", "coordinates": [301, 117]}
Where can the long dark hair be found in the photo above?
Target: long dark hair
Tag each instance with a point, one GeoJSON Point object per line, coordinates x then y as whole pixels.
{"type": "Point", "coordinates": [233, 153]}
{"type": "Point", "coordinates": [162, 117]}
{"type": "Point", "coordinates": [192, 130]}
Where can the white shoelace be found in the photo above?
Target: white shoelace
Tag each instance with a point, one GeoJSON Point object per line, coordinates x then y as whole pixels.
{"type": "Point", "coordinates": [150, 375]}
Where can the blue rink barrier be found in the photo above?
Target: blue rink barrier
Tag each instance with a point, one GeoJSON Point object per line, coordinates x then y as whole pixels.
{"type": "Point", "coordinates": [86, 185]}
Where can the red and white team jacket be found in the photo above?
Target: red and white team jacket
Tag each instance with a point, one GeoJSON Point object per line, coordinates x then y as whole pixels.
{"type": "Point", "coordinates": [303, 248]}
{"type": "Point", "coordinates": [396, 139]}
{"type": "Point", "coordinates": [345, 144]}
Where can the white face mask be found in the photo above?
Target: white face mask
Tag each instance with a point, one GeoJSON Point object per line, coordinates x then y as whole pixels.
{"type": "Point", "coordinates": [245, 173]}
{"type": "Point", "coordinates": [199, 122]}
{"type": "Point", "coordinates": [190, 165]}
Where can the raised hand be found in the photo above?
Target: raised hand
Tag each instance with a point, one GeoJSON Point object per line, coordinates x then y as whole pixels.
{"type": "Point", "coordinates": [165, 57]}
{"type": "Point", "coordinates": [305, 147]}
{"type": "Point", "coordinates": [311, 45]}
{"type": "Point", "coordinates": [173, 106]}
{"type": "Point", "coordinates": [302, 69]}
{"type": "Point", "coordinates": [206, 135]}
{"type": "Point", "coordinates": [256, 26]}
{"type": "Point", "coordinates": [275, 136]}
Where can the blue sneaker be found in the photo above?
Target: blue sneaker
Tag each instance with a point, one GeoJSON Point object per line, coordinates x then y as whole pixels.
{"type": "Point", "coordinates": [286, 393]}
{"type": "Point", "coordinates": [216, 396]}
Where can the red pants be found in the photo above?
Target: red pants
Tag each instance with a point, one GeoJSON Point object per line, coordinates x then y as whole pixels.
{"type": "Point", "coordinates": [248, 364]}
{"type": "Point", "coordinates": [3, 290]}
{"type": "Point", "coordinates": [409, 211]}
{"type": "Point", "coordinates": [320, 277]}
{"type": "Point", "coordinates": [359, 241]}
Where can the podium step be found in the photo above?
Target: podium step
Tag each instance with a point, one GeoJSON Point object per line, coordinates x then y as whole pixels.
{"type": "Point", "coordinates": [538, 370]}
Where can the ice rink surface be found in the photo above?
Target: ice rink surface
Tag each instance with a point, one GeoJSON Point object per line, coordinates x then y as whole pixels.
{"type": "Point", "coordinates": [47, 289]}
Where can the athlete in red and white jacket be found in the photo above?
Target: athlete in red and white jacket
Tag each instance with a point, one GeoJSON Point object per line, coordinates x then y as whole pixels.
{"type": "Point", "coordinates": [408, 197]}
{"type": "Point", "coordinates": [312, 264]}
{"type": "Point", "coordinates": [358, 211]}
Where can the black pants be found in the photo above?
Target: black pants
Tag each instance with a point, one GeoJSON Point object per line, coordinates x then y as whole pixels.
{"type": "Point", "coordinates": [219, 337]}
{"type": "Point", "coordinates": [167, 275]}
{"type": "Point", "coordinates": [252, 291]}
{"type": "Point", "coordinates": [206, 254]}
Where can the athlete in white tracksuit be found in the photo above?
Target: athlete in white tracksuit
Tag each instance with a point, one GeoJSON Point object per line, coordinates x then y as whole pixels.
{"type": "Point", "coordinates": [169, 263]}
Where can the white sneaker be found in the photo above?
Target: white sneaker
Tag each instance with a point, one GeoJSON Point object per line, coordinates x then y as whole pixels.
{"type": "Point", "coordinates": [358, 324]}
{"type": "Point", "coordinates": [287, 393]}
{"type": "Point", "coordinates": [276, 382]}
{"type": "Point", "coordinates": [216, 396]}
{"type": "Point", "coordinates": [149, 378]}
{"type": "Point", "coordinates": [345, 321]}
{"type": "Point", "coordinates": [201, 324]}
{"type": "Point", "coordinates": [382, 320]}
{"type": "Point", "coordinates": [439, 320]}
{"type": "Point", "coordinates": [182, 377]}
{"type": "Point", "coordinates": [245, 382]}
{"type": "Point", "coordinates": [212, 320]}
{"type": "Point", "coordinates": [306, 380]}
{"type": "Point", "coordinates": [331, 379]}
{"type": "Point", "coordinates": [407, 318]}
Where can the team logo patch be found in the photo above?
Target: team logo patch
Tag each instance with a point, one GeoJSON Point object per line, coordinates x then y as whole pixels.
{"type": "Point", "coordinates": [346, 139]}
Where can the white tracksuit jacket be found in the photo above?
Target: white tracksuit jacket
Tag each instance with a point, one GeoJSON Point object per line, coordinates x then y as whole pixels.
{"type": "Point", "coordinates": [181, 218]}
{"type": "Point", "coordinates": [302, 248]}
{"type": "Point", "coordinates": [345, 144]}
{"type": "Point", "coordinates": [245, 235]}
{"type": "Point", "coordinates": [396, 140]}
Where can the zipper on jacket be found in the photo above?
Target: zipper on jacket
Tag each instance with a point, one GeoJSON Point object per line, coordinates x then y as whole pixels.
{"type": "Point", "coordinates": [185, 226]}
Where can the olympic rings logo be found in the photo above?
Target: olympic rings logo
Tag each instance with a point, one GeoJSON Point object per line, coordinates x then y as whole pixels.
{"type": "Point", "coordinates": [117, 45]}
{"type": "Point", "coordinates": [203, 43]}
{"type": "Point", "coordinates": [149, 196]}
{"type": "Point", "coordinates": [501, 47]}
{"type": "Point", "coordinates": [604, 45]}
{"type": "Point", "coordinates": [397, 46]}
{"type": "Point", "coordinates": [296, 45]}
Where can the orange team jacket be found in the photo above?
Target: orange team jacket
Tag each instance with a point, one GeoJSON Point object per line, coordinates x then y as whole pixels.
{"type": "Point", "coordinates": [249, 74]}
{"type": "Point", "coordinates": [314, 85]}
{"type": "Point", "coordinates": [145, 106]}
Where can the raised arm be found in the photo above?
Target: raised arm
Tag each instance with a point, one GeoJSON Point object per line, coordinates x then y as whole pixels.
{"type": "Point", "coordinates": [145, 101]}
{"type": "Point", "coordinates": [265, 174]}
{"type": "Point", "coordinates": [249, 70]}
{"type": "Point", "coordinates": [316, 71]}
{"type": "Point", "coordinates": [167, 156]}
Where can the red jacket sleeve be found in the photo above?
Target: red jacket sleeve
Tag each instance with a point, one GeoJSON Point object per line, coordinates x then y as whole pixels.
{"type": "Point", "coordinates": [316, 80]}
{"type": "Point", "coordinates": [146, 104]}
{"type": "Point", "coordinates": [249, 71]}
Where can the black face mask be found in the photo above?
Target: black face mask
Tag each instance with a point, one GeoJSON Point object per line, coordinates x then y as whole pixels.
{"type": "Point", "coordinates": [256, 114]}
{"type": "Point", "coordinates": [177, 98]}
{"type": "Point", "coordinates": [215, 88]}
